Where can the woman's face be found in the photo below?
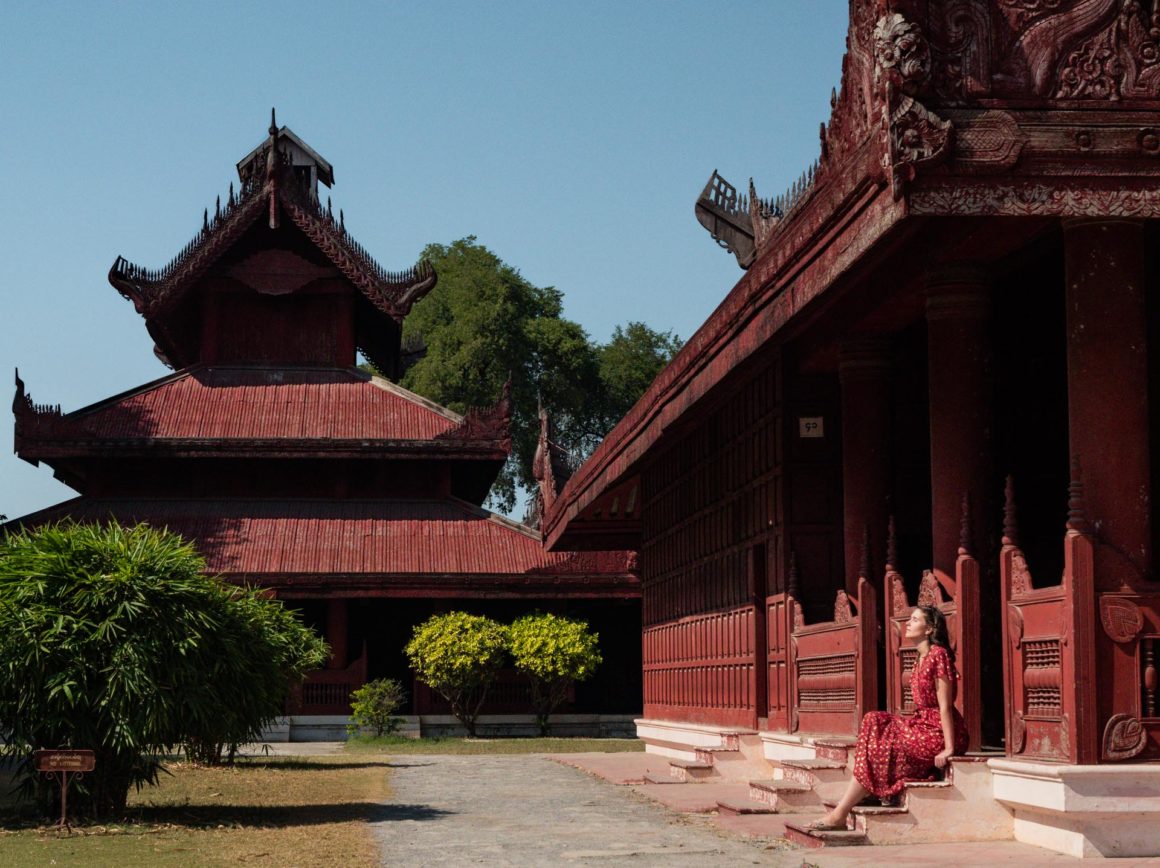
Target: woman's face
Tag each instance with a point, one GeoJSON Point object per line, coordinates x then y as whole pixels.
{"type": "Point", "coordinates": [917, 628]}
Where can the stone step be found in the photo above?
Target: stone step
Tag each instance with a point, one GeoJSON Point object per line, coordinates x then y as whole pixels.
{"type": "Point", "coordinates": [813, 764]}
{"type": "Point", "coordinates": [870, 810]}
{"type": "Point", "coordinates": [779, 785]}
{"type": "Point", "coordinates": [833, 748]}
{"type": "Point", "coordinates": [800, 835]}
{"type": "Point", "coordinates": [739, 807]}
{"type": "Point", "coordinates": [671, 749]}
{"type": "Point", "coordinates": [688, 771]}
{"type": "Point", "coordinates": [691, 765]}
{"type": "Point", "coordinates": [658, 778]}
{"type": "Point", "coordinates": [784, 795]}
{"type": "Point", "coordinates": [713, 755]}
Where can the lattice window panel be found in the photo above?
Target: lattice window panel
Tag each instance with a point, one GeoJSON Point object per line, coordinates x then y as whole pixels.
{"type": "Point", "coordinates": [909, 661]}
{"type": "Point", "coordinates": [1042, 700]}
{"type": "Point", "coordinates": [835, 666]}
{"type": "Point", "coordinates": [1041, 654]}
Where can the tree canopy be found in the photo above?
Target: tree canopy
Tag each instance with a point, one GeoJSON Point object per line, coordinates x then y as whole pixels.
{"type": "Point", "coordinates": [458, 655]}
{"type": "Point", "coordinates": [484, 322]}
{"type": "Point", "coordinates": [553, 652]}
{"type": "Point", "coordinates": [113, 639]}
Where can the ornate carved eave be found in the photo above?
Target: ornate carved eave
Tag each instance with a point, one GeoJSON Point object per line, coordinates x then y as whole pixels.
{"type": "Point", "coordinates": [36, 422]}
{"type": "Point", "coordinates": [155, 292]}
{"type": "Point", "coordinates": [552, 467]}
{"type": "Point", "coordinates": [492, 424]}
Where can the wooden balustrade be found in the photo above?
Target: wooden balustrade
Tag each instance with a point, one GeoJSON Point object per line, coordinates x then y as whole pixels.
{"type": "Point", "coordinates": [327, 691]}
{"type": "Point", "coordinates": [1049, 689]}
{"type": "Point", "coordinates": [701, 668]}
{"type": "Point", "coordinates": [834, 664]}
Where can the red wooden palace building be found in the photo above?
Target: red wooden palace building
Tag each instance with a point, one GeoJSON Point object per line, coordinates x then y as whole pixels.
{"type": "Point", "coordinates": [938, 381]}
{"type": "Point", "coordinates": [343, 493]}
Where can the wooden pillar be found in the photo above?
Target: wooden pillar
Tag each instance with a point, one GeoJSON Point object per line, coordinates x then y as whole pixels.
{"type": "Point", "coordinates": [957, 310]}
{"type": "Point", "coordinates": [1107, 388]}
{"type": "Point", "coordinates": [336, 627]}
{"type": "Point", "coordinates": [864, 374]}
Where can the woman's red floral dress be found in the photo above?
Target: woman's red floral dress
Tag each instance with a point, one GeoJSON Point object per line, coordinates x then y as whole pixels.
{"type": "Point", "coordinates": [891, 749]}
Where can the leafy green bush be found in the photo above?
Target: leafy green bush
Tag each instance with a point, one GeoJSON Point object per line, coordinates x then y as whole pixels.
{"type": "Point", "coordinates": [113, 639]}
{"type": "Point", "coordinates": [373, 707]}
{"type": "Point", "coordinates": [458, 655]}
{"type": "Point", "coordinates": [554, 652]}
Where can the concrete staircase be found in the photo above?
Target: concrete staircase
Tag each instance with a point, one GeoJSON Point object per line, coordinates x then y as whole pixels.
{"type": "Point", "coordinates": [789, 775]}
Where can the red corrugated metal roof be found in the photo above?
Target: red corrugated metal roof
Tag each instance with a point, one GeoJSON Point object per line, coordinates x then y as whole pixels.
{"type": "Point", "coordinates": [403, 537]}
{"type": "Point", "coordinates": [267, 403]}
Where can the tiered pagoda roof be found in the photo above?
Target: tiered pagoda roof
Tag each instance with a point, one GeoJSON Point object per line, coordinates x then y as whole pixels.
{"type": "Point", "coordinates": [248, 411]}
{"type": "Point", "coordinates": [288, 466]}
{"type": "Point", "coordinates": [277, 196]}
{"type": "Point", "coordinates": [305, 547]}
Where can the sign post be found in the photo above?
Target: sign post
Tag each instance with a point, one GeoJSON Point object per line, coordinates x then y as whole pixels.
{"type": "Point", "coordinates": [64, 766]}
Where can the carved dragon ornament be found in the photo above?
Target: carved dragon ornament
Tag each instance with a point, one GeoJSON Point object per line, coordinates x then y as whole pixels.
{"type": "Point", "coordinates": [915, 136]}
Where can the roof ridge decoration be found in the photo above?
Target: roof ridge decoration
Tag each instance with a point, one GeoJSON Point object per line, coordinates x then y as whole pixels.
{"type": "Point", "coordinates": [552, 467]}
{"type": "Point", "coordinates": [155, 291]}
{"type": "Point", "coordinates": [486, 423]}
{"type": "Point", "coordinates": [38, 421]}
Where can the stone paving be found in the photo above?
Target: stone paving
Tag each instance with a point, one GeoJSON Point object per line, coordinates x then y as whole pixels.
{"type": "Point", "coordinates": [527, 810]}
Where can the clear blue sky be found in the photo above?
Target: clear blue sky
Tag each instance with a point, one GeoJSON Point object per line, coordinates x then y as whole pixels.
{"type": "Point", "coordinates": [572, 139]}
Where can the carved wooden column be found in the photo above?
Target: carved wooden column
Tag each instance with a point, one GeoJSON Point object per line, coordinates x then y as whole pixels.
{"type": "Point", "coordinates": [957, 310]}
{"type": "Point", "coordinates": [1107, 388]}
{"type": "Point", "coordinates": [336, 627]}
{"type": "Point", "coordinates": [864, 373]}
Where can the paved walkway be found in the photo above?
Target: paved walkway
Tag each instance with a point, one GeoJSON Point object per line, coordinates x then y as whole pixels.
{"type": "Point", "coordinates": [529, 811]}
{"type": "Point", "coordinates": [526, 810]}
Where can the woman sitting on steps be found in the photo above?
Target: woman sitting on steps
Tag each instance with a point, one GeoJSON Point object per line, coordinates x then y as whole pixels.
{"type": "Point", "coordinates": [893, 750]}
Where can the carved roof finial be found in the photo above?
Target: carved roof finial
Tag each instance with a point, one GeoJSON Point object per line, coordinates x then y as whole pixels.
{"type": "Point", "coordinates": [864, 563]}
{"type": "Point", "coordinates": [19, 399]}
{"type": "Point", "coordinates": [1076, 508]}
{"type": "Point", "coordinates": [965, 526]}
{"type": "Point", "coordinates": [1010, 522]}
{"type": "Point", "coordinates": [791, 583]}
{"type": "Point", "coordinates": [273, 124]}
{"type": "Point", "coordinates": [891, 545]}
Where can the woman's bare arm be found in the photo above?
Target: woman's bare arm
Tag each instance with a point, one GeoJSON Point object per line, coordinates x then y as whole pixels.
{"type": "Point", "coordinates": [948, 725]}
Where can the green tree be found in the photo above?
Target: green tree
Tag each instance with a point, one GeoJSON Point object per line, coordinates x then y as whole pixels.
{"type": "Point", "coordinates": [375, 706]}
{"type": "Point", "coordinates": [113, 639]}
{"type": "Point", "coordinates": [628, 364]}
{"type": "Point", "coordinates": [554, 653]}
{"type": "Point", "coordinates": [483, 322]}
{"type": "Point", "coordinates": [458, 655]}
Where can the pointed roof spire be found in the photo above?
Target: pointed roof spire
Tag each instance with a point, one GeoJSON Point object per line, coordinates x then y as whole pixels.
{"type": "Point", "coordinates": [273, 123]}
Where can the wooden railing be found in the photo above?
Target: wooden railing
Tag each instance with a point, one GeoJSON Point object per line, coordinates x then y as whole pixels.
{"type": "Point", "coordinates": [1049, 695]}
{"type": "Point", "coordinates": [700, 668]}
{"type": "Point", "coordinates": [834, 664]}
{"type": "Point", "coordinates": [327, 691]}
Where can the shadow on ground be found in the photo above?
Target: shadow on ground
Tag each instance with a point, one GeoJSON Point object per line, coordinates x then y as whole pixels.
{"type": "Point", "coordinates": [319, 765]}
{"type": "Point", "coordinates": [198, 816]}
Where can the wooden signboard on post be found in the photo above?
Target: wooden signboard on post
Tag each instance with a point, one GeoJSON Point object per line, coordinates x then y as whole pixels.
{"type": "Point", "coordinates": [64, 765]}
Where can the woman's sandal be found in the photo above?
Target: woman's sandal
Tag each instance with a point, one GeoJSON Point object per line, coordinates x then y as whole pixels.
{"type": "Point", "coordinates": [822, 826]}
